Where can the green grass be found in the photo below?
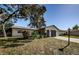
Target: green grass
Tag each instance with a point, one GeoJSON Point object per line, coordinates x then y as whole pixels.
{"type": "Point", "coordinates": [72, 36]}
{"type": "Point", "coordinates": [45, 46]}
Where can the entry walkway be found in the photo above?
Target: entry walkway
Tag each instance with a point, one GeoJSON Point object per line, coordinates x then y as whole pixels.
{"type": "Point", "coordinates": [64, 38]}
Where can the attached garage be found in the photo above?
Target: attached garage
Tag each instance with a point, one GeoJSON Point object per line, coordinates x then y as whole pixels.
{"type": "Point", "coordinates": [52, 31]}
{"type": "Point", "coordinates": [47, 33]}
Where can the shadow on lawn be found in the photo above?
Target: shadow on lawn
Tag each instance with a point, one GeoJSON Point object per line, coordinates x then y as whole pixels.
{"type": "Point", "coordinates": [13, 42]}
{"type": "Point", "coordinates": [12, 45]}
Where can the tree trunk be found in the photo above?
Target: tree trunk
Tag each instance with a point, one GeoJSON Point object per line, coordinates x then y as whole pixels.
{"type": "Point", "coordinates": [4, 32]}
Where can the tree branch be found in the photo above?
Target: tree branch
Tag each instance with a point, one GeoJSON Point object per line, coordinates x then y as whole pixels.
{"type": "Point", "coordinates": [10, 16]}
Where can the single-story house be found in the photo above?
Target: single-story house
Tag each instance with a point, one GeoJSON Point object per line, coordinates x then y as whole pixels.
{"type": "Point", "coordinates": [50, 31]}
{"type": "Point", "coordinates": [74, 32]}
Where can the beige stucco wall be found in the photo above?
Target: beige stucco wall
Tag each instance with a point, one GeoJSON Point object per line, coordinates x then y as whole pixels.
{"type": "Point", "coordinates": [62, 32]}
{"type": "Point", "coordinates": [15, 33]}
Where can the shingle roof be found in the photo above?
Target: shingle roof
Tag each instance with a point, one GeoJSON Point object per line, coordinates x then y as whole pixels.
{"type": "Point", "coordinates": [56, 27]}
{"type": "Point", "coordinates": [21, 27]}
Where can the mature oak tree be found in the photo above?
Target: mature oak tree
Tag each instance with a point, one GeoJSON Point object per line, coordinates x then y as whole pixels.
{"type": "Point", "coordinates": [32, 12]}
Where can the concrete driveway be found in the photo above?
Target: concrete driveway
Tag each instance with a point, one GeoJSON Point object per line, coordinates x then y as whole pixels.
{"type": "Point", "coordinates": [64, 38]}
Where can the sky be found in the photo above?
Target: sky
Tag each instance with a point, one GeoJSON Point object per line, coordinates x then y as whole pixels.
{"type": "Point", "coordinates": [63, 16]}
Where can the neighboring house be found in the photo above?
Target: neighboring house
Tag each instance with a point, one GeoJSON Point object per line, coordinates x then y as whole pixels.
{"type": "Point", "coordinates": [74, 32]}
{"type": "Point", "coordinates": [50, 31]}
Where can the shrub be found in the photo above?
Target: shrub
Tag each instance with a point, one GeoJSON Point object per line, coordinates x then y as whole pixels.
{"type": "Point", "coordinates": [35, 35]}
{"type": "Point", "coordinates": [25, 34]}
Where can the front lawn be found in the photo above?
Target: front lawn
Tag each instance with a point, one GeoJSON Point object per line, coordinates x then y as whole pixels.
{"type": "Point", "coordinates": [45, 46]}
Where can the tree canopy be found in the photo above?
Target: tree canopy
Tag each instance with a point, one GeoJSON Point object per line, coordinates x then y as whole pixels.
{"type": "Point", "coordinates": [10, 13]}
{"type": "Point", "coordinates": [76, 27]}
{"type": "Point", "coordinates": [32, 12]}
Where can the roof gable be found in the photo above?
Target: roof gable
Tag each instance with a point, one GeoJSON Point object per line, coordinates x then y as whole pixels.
{"type": "Point", "coordinates": [55, 27]}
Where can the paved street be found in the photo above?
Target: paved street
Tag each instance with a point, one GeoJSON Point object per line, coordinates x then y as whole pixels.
{"type": "Point", "coordinates": [64, 38]}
